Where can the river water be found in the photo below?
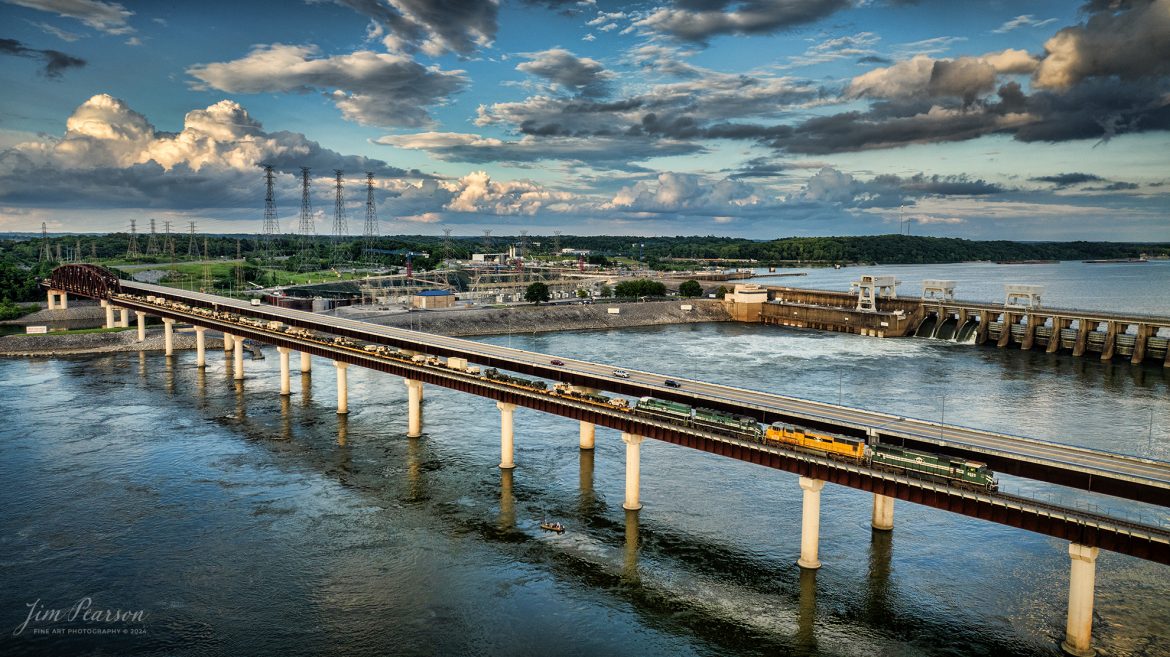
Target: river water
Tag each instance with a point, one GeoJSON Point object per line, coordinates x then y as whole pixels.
{"type": "Point", "coordinates": [241, 524]}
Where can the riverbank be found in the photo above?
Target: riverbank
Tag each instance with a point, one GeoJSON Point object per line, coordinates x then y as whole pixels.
{"type": "Point", "coordinates": [72, 344]}
{"type": "Point", "coordinates": [79, 314]}
{"type": "Point", "coordinates": [541, 319]}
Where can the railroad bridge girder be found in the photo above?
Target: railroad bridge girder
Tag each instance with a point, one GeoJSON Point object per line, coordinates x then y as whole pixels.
{"type": "Point", "coordinates": [86, 279]}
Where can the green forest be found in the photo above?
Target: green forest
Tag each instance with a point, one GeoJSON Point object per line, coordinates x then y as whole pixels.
{"type": "Point", "coordinates": [22, 262]}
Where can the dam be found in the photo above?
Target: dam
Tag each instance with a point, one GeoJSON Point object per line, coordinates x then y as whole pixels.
{"type": "Point", "coordinates": [1022, 321]}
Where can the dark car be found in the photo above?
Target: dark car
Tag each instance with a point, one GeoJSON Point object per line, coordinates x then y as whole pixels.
{"type": "Point", "coordinates": [671, 383]}
{"type": "Point", "coordinates": [557, 361]}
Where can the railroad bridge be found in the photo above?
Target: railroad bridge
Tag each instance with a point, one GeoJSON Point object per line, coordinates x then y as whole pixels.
{"type": "Point", "coordinates": [332, 338]}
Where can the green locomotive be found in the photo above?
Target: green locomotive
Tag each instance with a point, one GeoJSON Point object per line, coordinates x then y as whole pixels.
{"type": "Point", "coordinates": [952, 470]}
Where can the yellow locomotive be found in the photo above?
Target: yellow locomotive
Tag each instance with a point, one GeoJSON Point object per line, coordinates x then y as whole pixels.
{"type": "Point", "coordinates": [835, 446]}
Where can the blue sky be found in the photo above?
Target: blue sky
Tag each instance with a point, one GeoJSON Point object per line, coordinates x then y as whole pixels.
{"type": "Point", "coordinates": [988, 120]}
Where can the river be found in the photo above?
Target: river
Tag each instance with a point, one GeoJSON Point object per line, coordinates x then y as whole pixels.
{"type": "Point", "coordinates": [241, 524]}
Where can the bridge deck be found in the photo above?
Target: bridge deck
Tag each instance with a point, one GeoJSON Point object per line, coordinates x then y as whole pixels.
{"type": "Point", "coordinates": [1098, 471]}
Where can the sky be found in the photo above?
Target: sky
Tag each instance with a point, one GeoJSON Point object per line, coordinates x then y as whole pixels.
{"type": "Point", "coordinates": [1023, 120]}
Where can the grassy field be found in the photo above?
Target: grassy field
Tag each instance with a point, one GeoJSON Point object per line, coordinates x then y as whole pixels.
{"type": "Point", "coordinates": [116, 329]}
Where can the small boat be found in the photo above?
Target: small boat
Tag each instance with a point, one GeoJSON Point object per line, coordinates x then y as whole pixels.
{"type": "Point", "coordinates": [552, 526]}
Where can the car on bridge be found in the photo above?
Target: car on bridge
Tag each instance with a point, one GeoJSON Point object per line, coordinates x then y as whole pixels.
{"type": "Point", "coordinates": [621, 374]}
{"type": "Point", "coordinates": [671, 383]}
{"type": "Point", "coordinates": [557, 361]}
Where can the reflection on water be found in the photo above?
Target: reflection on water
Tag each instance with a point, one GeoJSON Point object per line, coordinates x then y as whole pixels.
{"type": "Point", "coordinates": [588, 499]}
{"type": "Point", "coordinates": [507, 521]}
{"type": "Point", "coordinates": [630, 551]}
{"type": "Point", "coordinates": [806, 620]}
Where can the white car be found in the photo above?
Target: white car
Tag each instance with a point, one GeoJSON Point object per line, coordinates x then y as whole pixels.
{"type": "Point", "coordinates": [621, 374]}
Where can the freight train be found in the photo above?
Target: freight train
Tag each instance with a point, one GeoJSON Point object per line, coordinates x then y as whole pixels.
{"type": "Point", "coordinates": [954, 471]}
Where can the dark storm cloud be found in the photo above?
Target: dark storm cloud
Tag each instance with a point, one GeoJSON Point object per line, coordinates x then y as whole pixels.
{"type": "Point", "coordinates": [1095, 109]}
{"type": "Point", "coordinates": [584, 76]}
{"type": "Point", "coordinates": [55, 62]}
{"type": "Point", "coordinates": [758, 167]}
{"type": "Point", "coordinates": [936, 185]}
{"type": "Point", "coordinates": [384, 89]}
{"type": "Point", "coordinates": [1128, 40]}
{"type": "Point", "coordinates": [889, 191]}
{"type": "Point", "coordinates": [1119, 186]}
{"type": "Point", "coordinates": [699, 20]}
{"type": "Point", "coordinates": [456, 25]}
{"type": "Point", "coordinates": [1066, 179]}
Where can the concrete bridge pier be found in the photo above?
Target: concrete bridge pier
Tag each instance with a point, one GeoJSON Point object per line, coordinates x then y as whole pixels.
{"type": "Point", "coordinates": [414, 395]}
{"type": "Point", "coordinates": [58, 300]}
{"type": "Point", "coordinates": [285, 384]}
{"type": "Point", "coordinates": [228, 341]}
{"type": "Point", "coordinates": [1083, 328]}
{"type": "Point", "coordinates": [883, 512]}
{"type": "Point", "coordinates": [981, 330]}
{"type": "Point", "coordinates": [342, 387]}
{"type": "Point", "coordinates": [141, 325]}
{"type": "Point", "coordinates": [124, 318]}
{"type": "Point", "coordinates": [169, 335]}
{"type": "Point", "coordinates": [506, 410]}
{"type": "Point", "coordinates": [1078, 634]}
{"type": "Point", "coordinates": [1058, 325]}
{"type": "Point", "coordinates": [306, 362]}
{"type": "Point", "coordinates": [810, 524]}
{"type": "Point", "coordinates": [1110, 341]}
{"type": "Point", "coordinates": [238, 358]}
{"type": "Point", "coordinates": [1029, 337]}
{"type": "Point", "coordinates": [588, 434]}
{"type": "Point", "coordinates": [109, 314]}
{"type": "Point", "coordinates": [633, 471]}
{"type": "Point", "coordinates": [1005, 331]}
{"type": "Point", "coordinates": [1139, 345]}
{"type": "Point", "coordinates": [200, 346]}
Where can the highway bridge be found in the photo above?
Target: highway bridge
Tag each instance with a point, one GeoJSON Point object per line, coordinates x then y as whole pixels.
{"type": "Point", "coordinates": [1090, 470]}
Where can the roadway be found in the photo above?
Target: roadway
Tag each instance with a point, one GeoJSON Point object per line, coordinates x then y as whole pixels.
{"type": "Point", "coordinates": [1150, 478]}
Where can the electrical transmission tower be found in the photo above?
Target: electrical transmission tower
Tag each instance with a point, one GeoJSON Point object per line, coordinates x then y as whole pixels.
{"type": "Point", "coordinates": [132, 249]}
{"type": "Point", "coordinates": [340, 225]}
{"type": "Point", "coordinates": [370, 234]}
{"type": "Point", "coordinates": [193, 244]}
{"type": "Point", "coordinates": [446, 243]}
{"type": "Point", "coordinates": [556, 243]}
{"type": "Point", "coordinates": [239, 270]}
{"type": "Point", "coordinates": [271, 224]}
{"type": "Point", "coordinates": [93, 251]}
{"type": "Point", "coordinates": [307, 233]}
{"type": "Point", "coordinates": [59, 259]}
{"type": "Point", "coordinates": [168, 241]}
{"type": "Point", "coordinates": [46, 250]}
{"type": "Point", "coordinates": [487, 240]}
{"type": "Point", "coordinates": [206, 286]}
{"type": "Point", "coordinates": [152, 241]}
{"type": "Point", "coordinates": [77, 251]}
